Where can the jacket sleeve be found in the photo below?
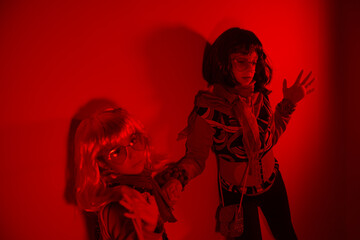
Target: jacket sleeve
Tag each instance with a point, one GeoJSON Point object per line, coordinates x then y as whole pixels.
{"type": "Point", "coordinates": [115, 226]}
{"type": "Point", "coordinates": [282, 115]}
{"type": "Point", "coordinates": [198, 145]}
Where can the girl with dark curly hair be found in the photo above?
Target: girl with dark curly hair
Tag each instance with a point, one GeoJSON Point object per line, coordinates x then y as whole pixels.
{"type": "Point", "coordinates": [234, 119]}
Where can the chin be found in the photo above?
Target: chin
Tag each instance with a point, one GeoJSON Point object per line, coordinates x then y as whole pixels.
{"type": "Point", "coordinates": [245, 81]}
{"type": "Point", "coordinates": [139, 168]}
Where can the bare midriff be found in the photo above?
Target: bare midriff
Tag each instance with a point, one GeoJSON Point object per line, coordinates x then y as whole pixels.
{"type": "Point", "coordinates": [233, 172]}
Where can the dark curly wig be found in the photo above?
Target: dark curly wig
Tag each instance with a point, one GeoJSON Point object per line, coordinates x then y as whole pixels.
{"type": "Point", "coordinates": [217, 63]}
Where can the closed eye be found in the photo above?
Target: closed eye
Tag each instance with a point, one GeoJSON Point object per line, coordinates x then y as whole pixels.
{"type": "Point", "coordinates": [240, 60]}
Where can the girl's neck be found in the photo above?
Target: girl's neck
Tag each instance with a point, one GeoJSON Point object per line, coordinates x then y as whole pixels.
{"type": "Point", "coordinates": [243, 91]}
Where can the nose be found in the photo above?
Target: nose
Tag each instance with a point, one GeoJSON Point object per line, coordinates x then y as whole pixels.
{"type": "Point", "coordinates": [251, 65]}
{"type": "Point", "coordinates": [246, 67]}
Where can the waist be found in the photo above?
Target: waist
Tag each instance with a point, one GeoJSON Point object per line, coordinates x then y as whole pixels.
{"type": "Point", "coordinates": [250, 190]}
{"type": "Point", "coordinates": [233, 172]}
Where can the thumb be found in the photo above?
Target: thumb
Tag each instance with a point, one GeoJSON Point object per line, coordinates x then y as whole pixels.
{"type": "Point", "coordinates": [284, 85]}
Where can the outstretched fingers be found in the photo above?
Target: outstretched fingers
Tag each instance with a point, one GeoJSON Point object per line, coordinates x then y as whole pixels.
{"type": "Point", "coordinates": [127, 203]}
{"type": "Point", "coordinates": [309, 83]}
{"type": "Point", "coordinates": [310, 90]}
{"type": "Point", "coordinates": [297, 82]}
{"type": "Point", "coordinates": [306, 79]}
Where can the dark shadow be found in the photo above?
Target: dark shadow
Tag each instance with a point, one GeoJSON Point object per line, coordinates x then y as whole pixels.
{"type": "Point", "coordinates": [90, 108]}
{"type": "Point", "coordinates": [174, 58]}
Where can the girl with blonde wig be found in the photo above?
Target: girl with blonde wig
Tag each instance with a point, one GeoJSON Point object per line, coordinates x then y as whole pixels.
{"type": "Point", "coordinates": [114, 177]}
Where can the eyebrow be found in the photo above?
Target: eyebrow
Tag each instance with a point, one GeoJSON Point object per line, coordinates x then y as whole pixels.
{"type": "Point", "coordinates": [245, 58]}
{"type": "Point", "coordinates": [244, 55]}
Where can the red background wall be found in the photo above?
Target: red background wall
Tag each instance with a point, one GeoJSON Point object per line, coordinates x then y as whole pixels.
{"type": "Point", "coordinates": [146, 56]}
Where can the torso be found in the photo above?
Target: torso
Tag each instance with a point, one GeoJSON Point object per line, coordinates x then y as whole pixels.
{"type": "Point", "coordinates": [229, 149]}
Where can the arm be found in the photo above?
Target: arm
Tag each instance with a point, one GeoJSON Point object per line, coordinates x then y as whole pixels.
{"type": "Point", "coordinates": [114, 225]}
{"type": "Point", "coordinates": [282, 115]}
{"type": "Point", "coordinates": [198, 145]}
{"type": "Point", "coordinates": [286, 107]}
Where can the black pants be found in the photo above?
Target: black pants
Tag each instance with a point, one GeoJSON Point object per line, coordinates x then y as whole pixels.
{"type": "Point", "coordinates": [275, 206]}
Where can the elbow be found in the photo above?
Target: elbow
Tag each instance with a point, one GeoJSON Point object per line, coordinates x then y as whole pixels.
{"type": "Point", "coordinates": [193, 166]}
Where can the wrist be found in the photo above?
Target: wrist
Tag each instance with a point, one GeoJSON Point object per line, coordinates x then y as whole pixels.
{"type": "Point", "coordinates": [173, 173]}
{"type": "Point", "coordinates": [290, 101]}
{"type": "Point", "coordinates": [286, 106]}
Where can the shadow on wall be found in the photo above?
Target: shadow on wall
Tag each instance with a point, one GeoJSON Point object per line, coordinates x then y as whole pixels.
{"type": "Point", "coordinates": [174, 67]}
{"type": "Point", "coordinates": [174, 61]}
{"type": "Point", "coordinates": [92, 107]}
{"type": "Point", "coordinates": [174, 58]}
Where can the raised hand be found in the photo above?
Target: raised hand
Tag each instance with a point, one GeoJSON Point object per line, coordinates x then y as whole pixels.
{"type": "Point", "coordinates": [142, 206]}
{"type": "Point", "coordinates": [299, 89]}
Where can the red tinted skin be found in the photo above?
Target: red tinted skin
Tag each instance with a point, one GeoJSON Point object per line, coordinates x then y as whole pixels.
{"type": "Point", "coordinates": [130, 156]}
{"type": "Point", "coordinates": [243, 67]}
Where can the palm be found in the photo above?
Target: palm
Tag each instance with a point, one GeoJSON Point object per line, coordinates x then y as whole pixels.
{"type": "Point", "coordinates": [299, 89]}
{"type": "Point", "coordinates": [142, 207]}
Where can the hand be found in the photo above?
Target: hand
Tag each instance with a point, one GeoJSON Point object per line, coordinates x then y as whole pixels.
{"type": "Point", "coordinates": [299, 89]}
{"type": "Point", "coordinates": [144, 207]}
{"type": "Point", "coordinates": [172, 189]}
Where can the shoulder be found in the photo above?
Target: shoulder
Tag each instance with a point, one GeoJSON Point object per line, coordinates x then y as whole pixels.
{"type": "Point", "coordinates": [111, 213]}
{"type": "Point", "coordinates": [113, 223]}
{"type": "Point", "coordinates": [209, 114]}
{"type": "Point", "coordinates": [204, 105]}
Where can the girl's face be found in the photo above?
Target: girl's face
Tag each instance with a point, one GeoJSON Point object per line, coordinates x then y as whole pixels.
{"type": "Point", "coordinates": [129, 156]}
{"type": "Point", "coordinates": [243, 67]}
